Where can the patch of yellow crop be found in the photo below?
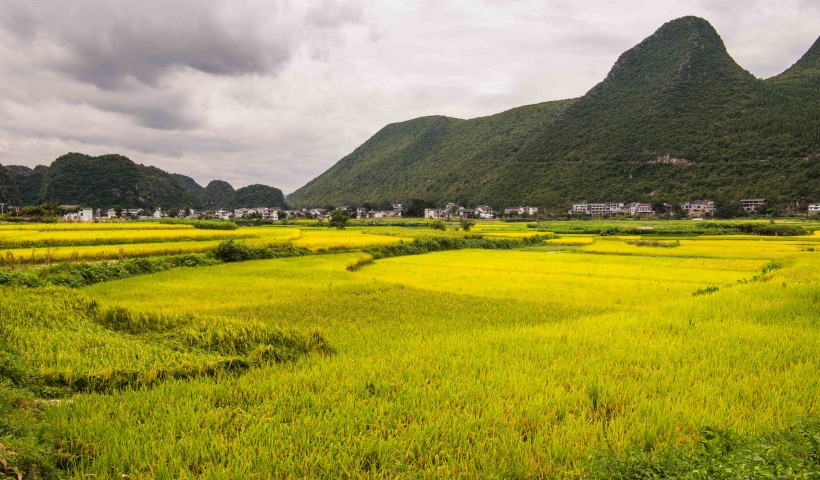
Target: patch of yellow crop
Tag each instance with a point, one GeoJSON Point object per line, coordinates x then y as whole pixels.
{"type": "Point", "coordinates": [331, 239]}
{"type": "Point", "coordinates": [476, 362]}
{"type": "Point", "coordinates": [502, 234]}
{"type": "Point", "coordinates": [73, 227]}
{"type": "Point", "coordinates": [572, 239]}
{"type": "Point", "coordinates": [745, 248]}
{"type": "Point", "coordinates": [113, 236]}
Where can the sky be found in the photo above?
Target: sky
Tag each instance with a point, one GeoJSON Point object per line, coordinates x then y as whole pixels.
{"type": "Point", "coordinates": [277, 91]}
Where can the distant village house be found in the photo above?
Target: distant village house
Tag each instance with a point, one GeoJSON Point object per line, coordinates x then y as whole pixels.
{"type": "Point", "coordinates": [753, 204]}
{"type": "Point", "coordinates": [634, 208]}
{"type": "Point", "coordinates": [531, 211]}
{"type": "Point", "coordinates": [697, 208]}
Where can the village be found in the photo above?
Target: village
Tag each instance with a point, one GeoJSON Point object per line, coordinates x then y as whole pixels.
{"type": "Point", "coordinates": [693, 209]}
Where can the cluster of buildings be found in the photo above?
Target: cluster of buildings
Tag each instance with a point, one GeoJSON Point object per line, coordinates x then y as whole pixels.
{"type": "Point", "coordinates": [451, 210]}
{"type": "Point", "coordinates": [361, 212]}
{"type": "Point", "coordinates": [611, 208]}
{"type": "Point", "coordinates": [694, 208]}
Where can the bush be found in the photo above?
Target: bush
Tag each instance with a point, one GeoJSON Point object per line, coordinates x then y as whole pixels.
{"type": "Point", "coordinates": [423, 245]}
{"type": "Point", "coordinates": [466, 225]}
{"type": "Point", "coordinates": [231, 251]}
{"type": "Point", "coordinates": [438, 225]}
{"type": "Point", "coordinates": [76, 275]}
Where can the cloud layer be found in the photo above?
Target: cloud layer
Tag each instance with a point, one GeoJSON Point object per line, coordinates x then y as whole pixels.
{"type": "Point", "coordinates": [277, 91]}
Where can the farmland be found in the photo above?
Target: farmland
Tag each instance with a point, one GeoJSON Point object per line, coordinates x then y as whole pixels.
{"type": "Point", "coordinates": [525, 363]}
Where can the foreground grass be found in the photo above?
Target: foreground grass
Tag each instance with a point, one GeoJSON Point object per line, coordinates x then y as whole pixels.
{"type": "Point", "coordinates": [464, 364]}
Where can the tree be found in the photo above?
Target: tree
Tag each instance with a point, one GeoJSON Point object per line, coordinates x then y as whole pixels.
{"type": "Point", "coordinates": [338, 219]}
{"type": "Point", "coordinates": [438, 225]}
{"type": "Point", "coordinates": [416, 207]}
{"type": "Point", "coordinates": [466, 225]}
{"type": "Point", "coordinates": [730, 210]}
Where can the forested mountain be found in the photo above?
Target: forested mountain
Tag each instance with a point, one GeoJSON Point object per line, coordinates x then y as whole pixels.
{"type": "Point", "coordinates": [9, 193]}
{"type": "Point", "coordinates": [217, 194]}
{"type": "Point", "coordinates": [109, 180]}
{"type": "Point", "coordinates": [257, 196]}
{"type": "Point", "coordinates": [189, 184]}
{"type": "Point", "coordinates": [676, 118]}
{"type": "Point", "coordinates": [29, 183]}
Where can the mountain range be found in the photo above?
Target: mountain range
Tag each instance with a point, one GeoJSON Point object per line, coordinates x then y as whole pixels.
{"type": "Point", "coordinates": [109, 180]}
{"type": "Point", "coordinates": [675, 119]}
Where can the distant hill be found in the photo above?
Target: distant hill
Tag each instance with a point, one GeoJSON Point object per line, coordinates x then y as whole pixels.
{"type": "Point", "coordinates": [110, 180]}
{"type": "Point", "coordinates": [676, 118]}
{"type": "Point", "coordinates": [189, 184]}
{"type": "Point", "coordinates": [9, 193]}
{"type": "Point", "coordinates": [29, 182]}
{"type": "Point", "coordinates": [217, 194]}
{"type": "Point", "coordinates": [257, 196]}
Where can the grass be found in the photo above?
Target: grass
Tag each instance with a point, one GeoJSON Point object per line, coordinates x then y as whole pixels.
{"type": "Point", "coordinates": [33, 247]}
{"type": "Point", "coordinates": [599, 361]}
{"type": "Point", "coordinates": [69, 342]}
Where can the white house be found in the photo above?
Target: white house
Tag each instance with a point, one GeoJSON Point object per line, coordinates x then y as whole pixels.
{"type": "Point", "coordinates": [752, 204]}
{"type": "Point", "coordinates": [636, 208]}
{"type": "Point", "coordinates": [616, 207]}
{"type": "Point", "coordinates": [84, 215]}
{"type": "Point", "coordinates": [696, 208]}
{"type": "Point", "coordinates": [814, 209]}
{"type": "Point", "coordinates": [521, 211]}
{"type": "Point", "coordinates": [433, 213]}
{"type": "Point", "coordinates": [484, 211]}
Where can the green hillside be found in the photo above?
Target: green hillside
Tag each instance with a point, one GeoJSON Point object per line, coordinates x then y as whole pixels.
{"type": "Point", "coordinates": [9, 193]}
{"type": "Point", "coordinates": [217, 194]}
{"type": "Point", "coordinates": [257, 196]}
{"type": "Point", "coordinates": [437, 158]}
{"type": "Point", "coordinates": [29, 182]}
{"type": "Point", "coordinates": [109, 180]}
{"type": "Point", "coordinates": [675, 118]}
{"type": "Point", "coordinates": [188, 184]}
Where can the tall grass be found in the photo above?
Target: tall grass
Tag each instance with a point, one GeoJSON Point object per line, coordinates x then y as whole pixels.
{"type": "Point", "coordinates": [466, 363]}
{"type": "Point", "coordinates": [470, 363]}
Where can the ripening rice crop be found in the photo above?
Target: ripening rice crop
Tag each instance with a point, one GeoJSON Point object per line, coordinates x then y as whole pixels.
{"type": "Point", "coordinates": [104, 226]}
{"type": "Point", "coordinates": [70, 342]}
{"type": "Point", "coordinates": [109, 245]}
{"type": "Point", "coordinates": [333, 239]}
{"type": "Point", "coordinates": [468, 364]}
{"type": "Point", "coordinates": [572, 240]}
{"type": "Point", "coordinates": [112, 237]}
{"type": "Point", "coordinates": [744, 248]}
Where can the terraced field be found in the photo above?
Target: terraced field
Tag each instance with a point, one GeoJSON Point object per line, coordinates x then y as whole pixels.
{"type": "Point", "coordinates": [525, 363]}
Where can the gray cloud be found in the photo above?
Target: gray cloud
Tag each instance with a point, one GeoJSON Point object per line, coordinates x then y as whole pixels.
{"type": "Point", "coordinates": [109, 43]}
{"type": "Point", "coordinates": [276, 91]}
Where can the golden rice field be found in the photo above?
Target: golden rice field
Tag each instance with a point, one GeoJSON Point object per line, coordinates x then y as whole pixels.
{"type": "Point", "coordinates": [76, 242]}
{"type": "Point", "coordinates": [456, 364]}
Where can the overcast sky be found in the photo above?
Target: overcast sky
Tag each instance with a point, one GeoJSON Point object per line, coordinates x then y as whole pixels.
{"type": "Point", "coordinates": [277, 91]}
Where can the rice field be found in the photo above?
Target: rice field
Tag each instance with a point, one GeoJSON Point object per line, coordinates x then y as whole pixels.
{"type": "Point", "coordinates": [77, 242]}
{"type": "Point", "coordinates": [456, 364]}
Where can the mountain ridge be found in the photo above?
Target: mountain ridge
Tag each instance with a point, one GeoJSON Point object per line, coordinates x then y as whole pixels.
{"type": "Point", "coordinates": [678, 93]}
{"type": "Point", "coordinates": [112, 180]}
